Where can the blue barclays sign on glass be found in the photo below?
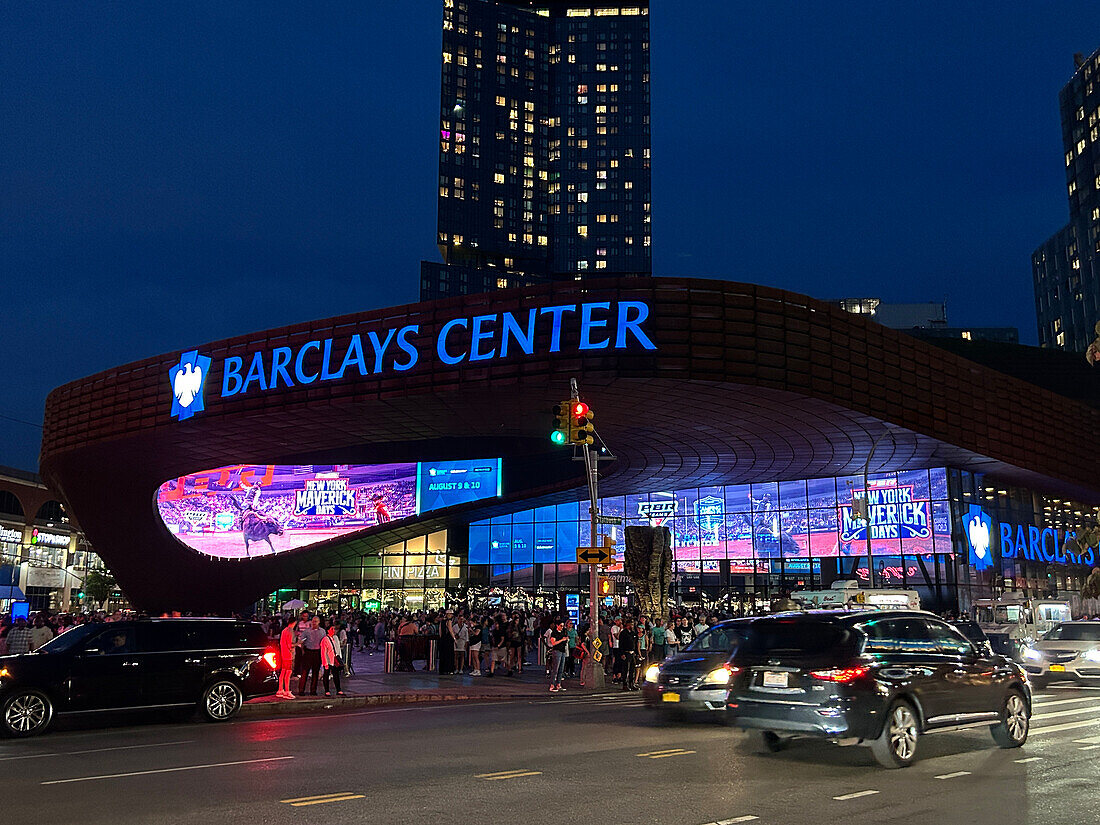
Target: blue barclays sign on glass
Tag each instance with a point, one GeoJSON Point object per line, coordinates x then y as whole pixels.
{"type": "Point", "coordinates": [1019, 541]}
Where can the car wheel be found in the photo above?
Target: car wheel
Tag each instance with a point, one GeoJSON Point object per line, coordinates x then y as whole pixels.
{"type": "Point", "coordinates": [773, 742]}
{"type": "Point", "coordinates": [221, 700]}
{"type": "Point", "coordinates": [26, 713]}
{"type": "Point", "coordinates": [896, 746]}
{"type": "Point", "coordinates": [1015, 721]}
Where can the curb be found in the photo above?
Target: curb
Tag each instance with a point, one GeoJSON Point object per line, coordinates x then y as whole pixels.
{"type": "Point", "coordinates": [259, 708]}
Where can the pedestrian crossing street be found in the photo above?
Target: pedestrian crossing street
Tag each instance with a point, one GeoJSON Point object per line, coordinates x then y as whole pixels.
{"type": "Point", "coordinates": [1061, 709]}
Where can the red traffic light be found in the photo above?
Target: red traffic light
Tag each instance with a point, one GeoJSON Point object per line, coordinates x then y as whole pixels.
{"type": "Point", "coordinates": [580, 409]}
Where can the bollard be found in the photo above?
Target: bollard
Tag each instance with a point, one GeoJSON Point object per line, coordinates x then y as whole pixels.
{"type": "Point", "coordinates": [390, 657]}
{"type": "Point", "coordinates": [433, 655]}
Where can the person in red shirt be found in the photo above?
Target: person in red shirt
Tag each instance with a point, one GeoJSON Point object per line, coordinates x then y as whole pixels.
{"type": "Point", "coordinates": [286, 658]}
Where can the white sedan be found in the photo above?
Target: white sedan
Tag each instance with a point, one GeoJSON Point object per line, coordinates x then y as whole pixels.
{"type": "Point", "coordinates": [1069, 651]}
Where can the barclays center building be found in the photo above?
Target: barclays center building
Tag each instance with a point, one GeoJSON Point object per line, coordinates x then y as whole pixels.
{"type": "Point", "coordinates": [403, 456]}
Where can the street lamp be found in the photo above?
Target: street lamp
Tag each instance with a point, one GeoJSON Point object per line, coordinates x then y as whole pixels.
{"type": "Point", "coordinates": [867, 502]}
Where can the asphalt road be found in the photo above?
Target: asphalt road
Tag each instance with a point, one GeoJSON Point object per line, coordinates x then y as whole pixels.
{"type": "Point", "coordinates": [559, 760]}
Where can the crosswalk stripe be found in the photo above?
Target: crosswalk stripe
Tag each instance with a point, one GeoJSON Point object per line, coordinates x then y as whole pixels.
{"type": "Point", "coordinates": [1069, 712]}
{"type": "Point", "coordinates": [1051, 702]}
{"type": "Point", "coordinates": [1067, 726]}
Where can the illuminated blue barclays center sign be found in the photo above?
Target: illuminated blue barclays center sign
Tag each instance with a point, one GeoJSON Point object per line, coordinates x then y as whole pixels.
{"type": "Point", "coordinates": [599, 325]}
{"type": "Point", "coordinates": [1019, 541]}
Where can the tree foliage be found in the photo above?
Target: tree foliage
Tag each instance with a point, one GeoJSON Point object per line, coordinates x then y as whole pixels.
{"type": "Point", "coordinates": [98, 586]}
{"type": "Point", "coordinates": [1091, 588]}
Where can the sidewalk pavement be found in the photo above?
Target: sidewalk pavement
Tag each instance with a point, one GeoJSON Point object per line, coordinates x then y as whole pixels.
{"type": "Point", "coordinates": [372, 686]}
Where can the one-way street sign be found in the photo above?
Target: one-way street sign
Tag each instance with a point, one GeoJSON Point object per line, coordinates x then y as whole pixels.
{"type": "Point", "coordinates": [595, 555]}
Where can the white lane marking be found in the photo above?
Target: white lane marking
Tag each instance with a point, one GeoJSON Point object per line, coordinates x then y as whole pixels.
{"type": "Point", "coordinates": [954, 775]}
{"type": "Point", "coordinates": [97, 750]}
{"type": "Point", "coordinates": [1028, 759]}
{"type": "Point", "coordinates": [164, 770]}
{"type": "Point", "coordinates": [1069, 712]}
{"type": "Point", "coordinates": [1067, 726]}
{"type": "Point", "coordinates": [1094, 740]}
{"type": "Point", "coordinates": [1089, 748]}
{"type": "Point", "coordinates": [1050, 703]}
{"type": "Point", "coordinates": [736, 819]}
{"type": "Point", "coordinates": [856, 795]}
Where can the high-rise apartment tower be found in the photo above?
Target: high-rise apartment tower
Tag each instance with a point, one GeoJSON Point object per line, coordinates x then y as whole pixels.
{"type": "Point", "coordinates": [1064, 269]}
{"type": "Point", "coordinates": [544, 144]}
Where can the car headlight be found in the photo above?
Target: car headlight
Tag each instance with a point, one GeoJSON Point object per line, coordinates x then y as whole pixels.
{"type": "Point", "coordinates": [651, 673]}
{"type": "Point", "coordinates": [718, 676]}
{"type": "Point", "coordinates": [1092, 655]}
{"type": "Point", "coordinates": [1031, 653]}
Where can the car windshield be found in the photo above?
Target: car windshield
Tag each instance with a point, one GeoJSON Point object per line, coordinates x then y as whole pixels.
{"type": "Point", "coordinates": [717, 639]}
{"type": "Point", "coordinates": [793, 637]}
{"type": "Point", "coordinates": [1074, 633]}
{"type": "Point", "coordinates": [70, 638]}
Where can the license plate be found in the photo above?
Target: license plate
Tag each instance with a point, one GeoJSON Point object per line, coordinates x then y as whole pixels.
{"type": "Point", "coordinates": [670, 697]}
{"type": "Point", "coordinates": [775, 679]}
{"type": "Point", "coordinates": [1057, 668]}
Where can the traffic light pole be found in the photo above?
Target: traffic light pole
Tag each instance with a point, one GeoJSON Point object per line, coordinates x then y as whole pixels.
{"type": "Point", "coordinates": [594, 678]}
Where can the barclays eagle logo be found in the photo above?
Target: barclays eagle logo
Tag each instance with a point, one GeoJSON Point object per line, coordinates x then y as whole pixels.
{"type": "Point", "coordinates": [979, 526]}
{"type": "Point", "coordinates": [187, 378]}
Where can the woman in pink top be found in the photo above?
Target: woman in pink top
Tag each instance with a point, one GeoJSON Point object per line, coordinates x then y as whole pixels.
{"type": "Point", "coordinates": [286, 658]}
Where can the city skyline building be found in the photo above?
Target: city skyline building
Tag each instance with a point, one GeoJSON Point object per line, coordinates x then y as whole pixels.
{"type": "Point", "coordinates": [544, 158]}
{"type": "Point", "coordinates": [1067, 286]}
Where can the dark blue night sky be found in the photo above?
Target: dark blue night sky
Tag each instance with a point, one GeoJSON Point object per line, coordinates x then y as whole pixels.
{"type": "Point", "coordinates": [176, 173]}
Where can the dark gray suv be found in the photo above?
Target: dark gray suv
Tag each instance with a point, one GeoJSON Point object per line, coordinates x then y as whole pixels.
{"type": "Point", "coordinates": [879, 678]}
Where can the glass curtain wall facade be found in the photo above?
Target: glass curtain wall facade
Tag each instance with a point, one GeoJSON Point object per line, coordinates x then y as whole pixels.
{"type": "Point", "coordinates": [747, 544]}
{"type": "Point", "coordinates": [411, 574]}
{"type": "Point", "coordinates": [753, 539]}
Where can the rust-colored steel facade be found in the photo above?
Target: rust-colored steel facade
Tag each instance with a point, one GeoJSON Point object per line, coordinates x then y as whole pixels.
{"type": "Point", "coordinates": [745, 383]}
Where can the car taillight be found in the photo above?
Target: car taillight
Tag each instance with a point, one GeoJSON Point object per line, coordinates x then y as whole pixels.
{"type": "Point", "coordinates": [841, 674]}
{"type": "Point", "coordinates": [272, 659]}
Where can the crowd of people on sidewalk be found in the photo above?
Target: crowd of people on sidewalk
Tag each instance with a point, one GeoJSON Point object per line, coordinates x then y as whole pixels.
{"type": "Point", "coordinates": [486, 643]}
{"type": "Point", "coordinates": [471, 641]}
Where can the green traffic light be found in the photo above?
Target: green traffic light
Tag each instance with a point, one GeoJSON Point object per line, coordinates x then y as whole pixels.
{"type": "Point", "coordinates": [558, 437]}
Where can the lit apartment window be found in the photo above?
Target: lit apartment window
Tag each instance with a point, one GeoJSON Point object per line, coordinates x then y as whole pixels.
{"type": "Point", "coordinates": [601, 264]}
{"type": "Point", "coordinates": [966, 335]}
{"type": "Point", "coordinates": [582, 231]}
{"type": "Point", "coordinates": [498, 177]}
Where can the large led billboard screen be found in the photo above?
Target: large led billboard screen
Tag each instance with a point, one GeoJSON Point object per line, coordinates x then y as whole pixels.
{"type": "Point", "coordinates": [242, 511]}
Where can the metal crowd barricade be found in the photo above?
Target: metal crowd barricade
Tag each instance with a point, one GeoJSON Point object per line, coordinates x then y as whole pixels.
{"type": "Point", "coordinates": [390, 660]}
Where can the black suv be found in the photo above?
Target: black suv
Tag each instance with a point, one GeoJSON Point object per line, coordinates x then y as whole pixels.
{"type": "Point", "coordinates": [213, 663]}
{"type": "Point", "coordinates": [881, 678]}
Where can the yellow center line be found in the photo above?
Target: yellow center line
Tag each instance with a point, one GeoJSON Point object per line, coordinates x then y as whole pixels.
{"type": "Point", "coordinates": [507, 775]}
{"type": "Point", "coordinates": [675, 753]}
{"type": "Point", "coordinates": [654, 753]}
{"type": "Point", "coordinates": [298, 802]}
{"type": "Point", "coordinates": [513, 776]}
